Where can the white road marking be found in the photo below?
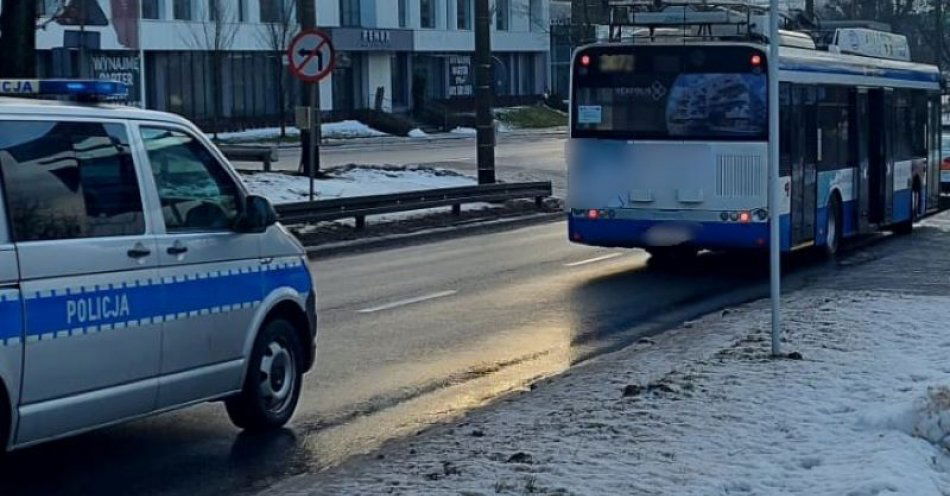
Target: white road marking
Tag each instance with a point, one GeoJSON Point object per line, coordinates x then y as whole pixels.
{"type": "Point", "coordinates": [593, 260]}
{"type": "Point", "coordinates": [408, 301]}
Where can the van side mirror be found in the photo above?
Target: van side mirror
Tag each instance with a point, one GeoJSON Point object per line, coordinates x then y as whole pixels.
{"type": "Point", "coordinates": [257, 216]}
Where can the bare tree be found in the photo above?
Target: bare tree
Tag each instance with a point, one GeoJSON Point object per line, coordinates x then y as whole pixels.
{"type": "Point", "coordinates": [276, 33]}
{"type": "Point", "coordinates": [215, 35]}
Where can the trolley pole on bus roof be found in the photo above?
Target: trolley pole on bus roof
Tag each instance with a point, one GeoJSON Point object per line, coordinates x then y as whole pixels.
{"type": "Point", "coordinates": [775, 265]}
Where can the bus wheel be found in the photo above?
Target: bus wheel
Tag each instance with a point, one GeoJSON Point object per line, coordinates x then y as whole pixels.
{"type": "Point", "coordinates": [667, 256]}
{"type": "Point", "coordinates": [833, 227]}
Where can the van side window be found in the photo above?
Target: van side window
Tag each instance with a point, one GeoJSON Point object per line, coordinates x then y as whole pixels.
{"type": "Point", "coordinates": [196, 193]}
{"type": "Point", "coordinates": [65, 180]}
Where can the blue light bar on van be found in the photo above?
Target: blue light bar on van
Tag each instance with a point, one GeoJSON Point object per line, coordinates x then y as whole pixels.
{"type": "Point", "coordinates": [75, 88]}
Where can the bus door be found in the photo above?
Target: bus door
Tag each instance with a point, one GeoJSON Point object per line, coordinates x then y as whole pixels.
{"type": "Point", "coordinates": [880, 157]}
{"type": "Point", "coordinates": [803, 135]}
{"type": "Point", "coordinates": [859, 143]}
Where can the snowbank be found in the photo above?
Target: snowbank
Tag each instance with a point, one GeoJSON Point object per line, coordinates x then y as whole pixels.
{"type": "Point", "coordinates": [352, 181]}
{"type": "Point", "coordinates": [703, 410]}
{"type": "Point", "coordinates": [418, 133]}
{"type": "Point", "coordinates": [331, 130]}
{"type": "Point", "coordinates": [927, 418]}
{"type": "Point", "coordinates": [349, 129]}
{"type": "Point", "coordinates": [464, 131]}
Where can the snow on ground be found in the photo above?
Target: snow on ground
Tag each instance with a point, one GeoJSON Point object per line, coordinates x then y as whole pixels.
{"type": "Point", "coordinates": [349, 129]}
{"type": "Point", "coordinates": [464, 131]}
{"type": "Point", "coordinates": [703, 410]}
{"type": "Point", "coordinates": [418, 133]}
{"type": "Point", "coordinates": [353, 181]}
{"type": "Point", "coordinates": [331, 130]}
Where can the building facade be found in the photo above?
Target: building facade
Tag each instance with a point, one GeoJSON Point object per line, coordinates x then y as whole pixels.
{"type": "Point", "coordinates": [221, 62]}
{"type": "Point", "coordinates": [562, 48]}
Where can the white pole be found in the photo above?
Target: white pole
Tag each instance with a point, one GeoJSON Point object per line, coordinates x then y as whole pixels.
{"type": "Point", "coordinates": [775, 276]}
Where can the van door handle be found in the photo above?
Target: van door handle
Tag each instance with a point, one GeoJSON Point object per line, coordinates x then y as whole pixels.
{"type": "Point", "coordinates": [139, 251]}
{"type": "Point", "coordinates": [177, 249]}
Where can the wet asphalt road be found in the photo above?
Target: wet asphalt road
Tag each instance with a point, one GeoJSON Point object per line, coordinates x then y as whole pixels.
{"type": "Point", "coordinates": [409, 336]}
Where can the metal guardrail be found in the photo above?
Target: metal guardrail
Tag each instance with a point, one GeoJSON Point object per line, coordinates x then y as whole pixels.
{"type": "Point", "coordinates": [358, 207]}
{"type": "Point", "coordinates": [266, 155]}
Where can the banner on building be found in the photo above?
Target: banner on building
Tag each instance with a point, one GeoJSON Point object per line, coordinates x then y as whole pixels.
{"type": "Point", "coordinates": [460, 76]}
{"type": "Point", "coordinates": [119, 65]}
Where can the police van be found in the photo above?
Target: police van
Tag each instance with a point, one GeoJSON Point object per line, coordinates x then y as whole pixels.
{"type": "Point", "coordinates": [137, 275]}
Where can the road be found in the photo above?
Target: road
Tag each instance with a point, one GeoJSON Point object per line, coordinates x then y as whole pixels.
{"type": "Point", "coordinates": [408, 337]}
{"type": "Point", "coordinates": [517, 158]}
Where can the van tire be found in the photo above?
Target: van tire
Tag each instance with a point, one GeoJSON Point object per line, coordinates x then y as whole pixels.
{"type": "Point", "coordinates": [267, 401]}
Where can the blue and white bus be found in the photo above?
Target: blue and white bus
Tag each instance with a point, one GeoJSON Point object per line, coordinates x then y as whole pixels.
{"type": "Point", "coordinates": [669, 140]}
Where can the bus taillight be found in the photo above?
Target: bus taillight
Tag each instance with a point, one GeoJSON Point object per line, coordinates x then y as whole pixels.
{"type": "Point", "coordinates": [585, 60]}
{"type": "Point", "coordinates": [756, 60]}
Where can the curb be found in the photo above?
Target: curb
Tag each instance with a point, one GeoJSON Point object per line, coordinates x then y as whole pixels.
{"type": "Point", "coordinates": [435, 234]}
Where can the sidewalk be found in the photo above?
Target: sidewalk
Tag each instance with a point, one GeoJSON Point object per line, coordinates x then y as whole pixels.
{"type": "Point", "coordinates": [703, 410]}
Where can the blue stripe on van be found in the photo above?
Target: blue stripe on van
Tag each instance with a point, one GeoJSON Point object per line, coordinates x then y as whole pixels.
{"type": "Point", "coordinates": [94, 309]}
{"type": "Point", "coordinates": [11, 315]}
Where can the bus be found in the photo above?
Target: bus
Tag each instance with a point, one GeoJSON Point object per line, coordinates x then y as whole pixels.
{"type": "Point", "coordinates": [668, 147]}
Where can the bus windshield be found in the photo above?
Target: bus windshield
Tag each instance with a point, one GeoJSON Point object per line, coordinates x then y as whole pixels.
{"type": "Point", "coordinates": [681, 93]}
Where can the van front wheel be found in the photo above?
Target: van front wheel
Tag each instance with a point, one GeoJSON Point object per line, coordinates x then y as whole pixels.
{"type": "Point", "coordinates": [272, 385]}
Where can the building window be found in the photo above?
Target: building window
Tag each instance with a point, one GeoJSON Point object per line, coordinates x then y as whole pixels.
{"type": "Point", "coordinates": [47, 7]}
{"type": "Point", "coordinates": [427, 14]}
{"type": "Point", "coordinates": [242, 10]}
{"type": "Point", "coordinates": [400, 80]}
{"type": "Point", "coordinates": [350, 13]}
{"type": "Point", "coordinates": [403, 14]}
{"type": "Point", "coordinates": [536, 16]}
{"type": "Point", "coordinates": [214, 10]}
{"type": "Point", "coordinates": [270, 10]}
{"type": "Point", "coordinates": [182, 10]}
{"type": "Point", "coordinates": [502, 12]}
{"type": "Point", "coordinates": [464, 14]}
{"type": "Point", "coordinates": [151, 9]}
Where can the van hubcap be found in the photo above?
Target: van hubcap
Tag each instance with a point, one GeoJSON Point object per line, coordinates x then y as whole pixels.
{"type": "Point", "coordinates": [278, 377]}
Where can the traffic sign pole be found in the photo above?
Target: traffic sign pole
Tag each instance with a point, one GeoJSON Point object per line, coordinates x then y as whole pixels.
{"type": "Point", "coordinates": [312, 58]}
{"type": "Point", "coordinates": [313, 164]}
